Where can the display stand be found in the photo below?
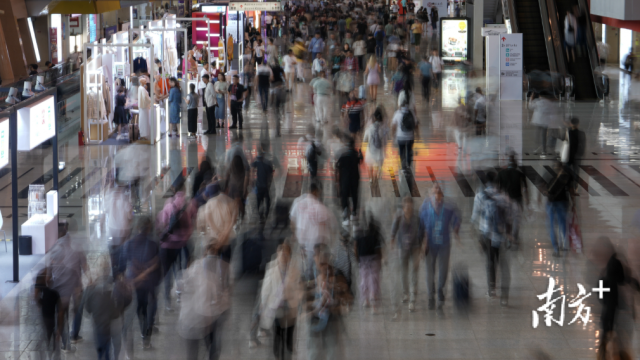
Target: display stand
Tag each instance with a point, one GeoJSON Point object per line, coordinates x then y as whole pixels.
{"type": "Point", "coordinates": [165, 64]}
{"type": "Point", "coordinates": [42, 224]}
{"type": "Point", "coordinates": [95, 119]}
{"type": "Point", "coordinates": [39, 110]}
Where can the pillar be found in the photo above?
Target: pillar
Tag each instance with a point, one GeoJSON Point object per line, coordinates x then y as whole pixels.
{"type": "Point", "coordinates": [13, 64]}
{"type": "Point", "coordinates": [477, 23]}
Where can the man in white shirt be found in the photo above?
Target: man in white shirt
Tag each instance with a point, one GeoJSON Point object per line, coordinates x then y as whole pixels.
{"type": "Point", "coordinates": [289, 69]}
{"type": "Point", "coordinates": [210, 99]}
{"type": "Point", "coordinates": [322, 89]}
{"type": "Point", "coordinates": [202, 85]}
{"type": "Point", "coordinates": [268, 20]}
{"type": "Point", "coordinates": [319, 65]}
{"type": "Point", "coordinates": [436, 68]}
{"type": "Point", "coordinates": [313, 223]}
{"type": "Point", "coordinates": [394, 9]}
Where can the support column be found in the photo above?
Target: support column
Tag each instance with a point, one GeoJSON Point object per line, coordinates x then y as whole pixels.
{"type": "Point", "coordinates": [478, 20]}
{"type": "Point", "coordinates": [13, 64]}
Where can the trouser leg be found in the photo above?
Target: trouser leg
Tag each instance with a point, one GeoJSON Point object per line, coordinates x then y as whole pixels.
{"type": "Point", "coordinates": [443, 270]}
{"type": "Point", "coordinates": [431, 269]}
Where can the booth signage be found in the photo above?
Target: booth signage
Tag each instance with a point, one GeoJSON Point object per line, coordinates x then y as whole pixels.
{"type": "Point", "coordinates": [254, 6]}
{"type": "Point", "coordinates": [213, 9]}
{"type": "Point", "coordinates": [494, 31]}
{"type": "Point", "coordinates": [36, 123]}
{"type": "Point", "coordinates": [4, 142]}
{"type": "Point", "coordinates": [454, 39]}
{"type": "Point", "coordinates": [511, 67]}
{"type": "Point", "coordinates": [53, 37]}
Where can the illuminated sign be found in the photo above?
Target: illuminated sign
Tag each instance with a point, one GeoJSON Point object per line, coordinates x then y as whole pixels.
{"type": "Point", "coordinates": [4, 142]}
{"type": "Point", "coordinates": [454, 39]}
{"type": "Point", "coordinates": [36, 123]}
{"type": "Point", "coordinates": [254, 6]}
{"type": "Point", "coordinates": [213, 9]}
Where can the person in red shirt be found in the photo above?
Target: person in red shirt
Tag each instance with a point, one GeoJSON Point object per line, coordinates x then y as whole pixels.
{"type": "Point", "coordinates": [352, 112]}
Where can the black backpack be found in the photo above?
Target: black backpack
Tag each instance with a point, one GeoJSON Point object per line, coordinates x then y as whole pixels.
{"type": "Point", "coordinates": [379, 35]}
{"type": "Point", "coordinates": [408, 122]}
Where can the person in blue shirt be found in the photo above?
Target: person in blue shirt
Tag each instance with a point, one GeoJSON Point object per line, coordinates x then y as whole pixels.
{"type": "Point", "coordinates": [426, 71]}
{"type": "Point", "coordinates": [316, 46]}
{"type": "Point", "coordinates": [175, 100]}
{"type": "Point", "coordinates": [438, 218]}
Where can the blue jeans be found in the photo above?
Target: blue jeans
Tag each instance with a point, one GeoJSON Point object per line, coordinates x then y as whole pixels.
{"type": "Point", "coordinates": [557, 212]}
{"type": "Point", "coordinates": [438, 256]}
{"type": "Point", "coordinates": [379, 46]}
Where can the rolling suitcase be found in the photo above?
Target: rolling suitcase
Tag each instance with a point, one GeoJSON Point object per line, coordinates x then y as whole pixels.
{"type": "Point", "coordinates": [134, 132]}
{"type": "Point", "coordinates": [362, 92]}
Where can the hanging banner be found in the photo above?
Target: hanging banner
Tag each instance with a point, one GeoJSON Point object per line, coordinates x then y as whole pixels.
{"type": "Point", "coordinates": [257, 6]}
{"type": "Point", "coordinates": [511, 67]}
{"type": "Point", "coordinates": [53, 37]}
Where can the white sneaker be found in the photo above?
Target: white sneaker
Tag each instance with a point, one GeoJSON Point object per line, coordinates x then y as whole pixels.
{"type": "Point", "coordinates": [405, 298]}
{"type": "Point", "coordinates": [345, 222]}
{"type": "Point", "coordinates": [412, 307]}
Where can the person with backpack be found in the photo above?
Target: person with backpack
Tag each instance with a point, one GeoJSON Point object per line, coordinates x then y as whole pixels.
{"type": "Point", "coordinates": [439, 219]}
{"type": "Point", "coordinates": [376, 138]}
{"type": "Point", "coordinates": [176, 219]}
{"type": "Point", "coordinates": [491, 214]}
{"type": "Point", "coordinates": [408, 233]}
{"type": "Point", "coordinates": [559, 193]}
{"type": "Point", "coordinates": [312, 150]}
{"type": "Point", "coordinates": [404, 126]}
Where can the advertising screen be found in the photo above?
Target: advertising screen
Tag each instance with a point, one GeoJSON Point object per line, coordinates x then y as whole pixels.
{"type": "Point", "coordinates": [36, 123]}
{"type": "Point", "coordinates": [454, 39]}
{"type": "Point", "coordinates": [4, 142]}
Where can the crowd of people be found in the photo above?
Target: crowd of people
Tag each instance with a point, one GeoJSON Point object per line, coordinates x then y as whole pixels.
{"type": "Point", "coordinates": [315, 265]}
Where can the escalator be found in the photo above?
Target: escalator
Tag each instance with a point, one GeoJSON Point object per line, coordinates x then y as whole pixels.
{"type": "Point", "coordinates": [583, 67]}
{"type": "Point", "coordinates": [529, 23]}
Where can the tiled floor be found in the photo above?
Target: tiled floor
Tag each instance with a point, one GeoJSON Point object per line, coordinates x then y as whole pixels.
{"type": "Point", "coordinates": [607, 205]}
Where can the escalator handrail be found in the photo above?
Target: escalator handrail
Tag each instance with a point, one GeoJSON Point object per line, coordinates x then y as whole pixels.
{"type": "Point", "coordinates": [547, 27]}
{"type": "Point", "coordinates": [592, 50]}
{"type": "Point", "coordinates": [554, 38]}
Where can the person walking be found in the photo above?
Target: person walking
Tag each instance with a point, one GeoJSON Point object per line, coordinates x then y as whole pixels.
{"type": "Point", "coordinates": [316, 46]}
{"type": "Point", "coordinates": [264, 178]}
{"type": "Point", "coordinates": [372, 73]}
{"type": "Point", "coordinates": [175, 100]}
{"type": "Point", "coordinates": [237, 95]}
{"type": "Point", "coordinates": [513, 183]}
{"type": "Point", "coordinates": [570, 35]}
{"type": "Point", "coordinates": [379, 36]}
{"type": "Point", "coordinates": [221, 89]}
{"type": "Point", "coordinates": [207, 301]}
{"type": "Point", "coordinates": [352, 113]}
{"type": "Point", "coordinates": [492, 215]}
{"type": "Point", "coordinates": [319, 65]}
{"type": "Point", "coordinates": [348, 180]}
{"type": "Point", "coordinates": [142, 268]}
{"type": "Point", "coordinates": [480, 113]}
{"type": "Point", "coordinates": [404, 126]}
{"type": "Point", "coordinates": [545, 115]}
{"type": "Point", "coordinates": [559, 193]}
{"type": "Point", "coordinates": [439, 219]}
{"type": "Point", "coordinates": [436, 67]}
{"type": "Point", "coordinates": [176, 221]}
{"type": "Point", "coordinates": [264, 76]}
{"type": "Point", "coordinates": [68, 262]}
{"type": "Point", "coordinates": [322, 90]}
{"type": "Point", "coordinates": [369, 255]}
{"type": "Point", "coordinates": [312, 224]}
{"type": "Point", "coordinates": [290, 62]}
{"type": "Point", "coordinates": [577, 139]}
{"type": "Point", "coordinates": [144, 108]}
{"type": "Point", "coordinates": [407, 232]}
{"type": "Point", "coordinates": [376, 136]}
{"type": "Point", "coordinates": [281, 294]}
{"type": "Point", "coordinates": [426, 71]}
{"type": "Point", "coordinates": [359, 50]}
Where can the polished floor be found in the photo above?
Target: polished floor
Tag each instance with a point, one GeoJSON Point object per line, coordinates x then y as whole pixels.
{"type": "Point", "coordinates": [606, 205]}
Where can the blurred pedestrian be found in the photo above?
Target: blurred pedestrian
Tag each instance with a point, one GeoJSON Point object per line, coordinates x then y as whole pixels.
{"type": "Point", "coordinates": [376, 137]}
{"type": "Point", "coordinates": [369, 245]}
{"type": "Point", "coordinates": [438, 218]}
{"type": "Point", "coordinates": [264, 169]}
{"type": "Point", "coordinates": [101, 305]}
{"type": "Point", "coordinates": [407, 231]}
{"type": "Point", "coordinates": [68, 262]}
{"type": "Point", "coordinates": [281, 295]}
{"type": "Point", "coordinates": [372, 73]}
{"type": "Point", "coordinates": [492, 216]}
{"type": "Point", "coordinates": [352, 113]}
{"type": "Point", "coordinates": [436, 65]}
{"type": "Point", "coordinates": [312, 149]}
{"type": "Point", "coordinates": [404, 126]}
{"type": "Point", "coordinates": [264, 76]}
{"type": "Point", "coordinates": [480, 114]}
{"type": "Point", "coordinates": [570, 35]}
{"type": "Point", "coordinates": [322, 91]}
{"type": "Point", "coordinates": [48, 300]}
{"type": "Point", "coordinates": [348, 179]}
{"type": "Point", "coordinates": [513, 183]}
{"type": "Point", "coordinates": [559, 193]}
{"type": "Point", "coordinates": [312, 223]}
{"type": "Point", "coordinates": [142, 263]}
{"type": "Point", "coordinates": [426, 70]}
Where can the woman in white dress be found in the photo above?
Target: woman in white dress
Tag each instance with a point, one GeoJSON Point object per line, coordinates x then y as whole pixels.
{"type": "Point", "coordinates": [373, 77]}
{"type": "Point", "coordinates": [144, 108]}
{"type": "Point", "coordinates": [376, 138]}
